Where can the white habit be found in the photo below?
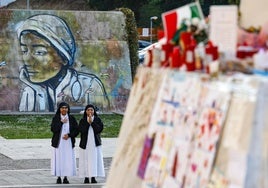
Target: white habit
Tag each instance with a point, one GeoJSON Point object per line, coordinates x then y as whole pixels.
{"type": "Point", "coordinates": [63, 162]}
{"type": "Point", "coordinates": [91, 158]}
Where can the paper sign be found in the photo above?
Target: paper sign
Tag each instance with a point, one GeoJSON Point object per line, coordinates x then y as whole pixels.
{"type": "Point", "coordinates": [223, 28]}
{"type": "Point", "coordinates": [145, 32]}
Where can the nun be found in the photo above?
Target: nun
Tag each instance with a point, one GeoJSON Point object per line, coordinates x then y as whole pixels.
{"type": "Point", "coordinates": [64, 128]}
{"type": "Point", "coordinates": [90, 151]}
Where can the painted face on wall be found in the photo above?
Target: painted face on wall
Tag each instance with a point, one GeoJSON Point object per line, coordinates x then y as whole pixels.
{"type": "Point", "coordinates": [41, 59]}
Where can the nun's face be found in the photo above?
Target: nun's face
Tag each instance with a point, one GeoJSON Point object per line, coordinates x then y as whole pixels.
{"type": "Point", "coordinates": [90, 111]}
{"type": "Point", "coordinates": [63, 110]}
{"type": "Point", "coordinates": [41, 60]}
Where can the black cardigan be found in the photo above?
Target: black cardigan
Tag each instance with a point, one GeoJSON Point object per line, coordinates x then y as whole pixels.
{"type": "Point", "coordinates": [83, 127]}
{"type": "Point", "coordinates": [56, 126]}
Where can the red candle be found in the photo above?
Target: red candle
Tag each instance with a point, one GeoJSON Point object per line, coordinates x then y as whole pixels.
{"type": "Point", "coordinates": [212, 50]}
{"type": "Point", "coordinates": [167, 49]}
{"type": "Point", "coordinates": [189, 55]}
{"type": "Point", "coordinates": [176, 58]}
{"type": "Point", "coordinates": [189, 58]}
{"type": "Point", "coordinates": [211, 55]}
{"type": "Point", "coordinates": [185, 39]}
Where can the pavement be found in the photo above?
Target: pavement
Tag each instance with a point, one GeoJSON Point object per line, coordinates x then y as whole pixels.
{"type": "Point", "coordinates": [26, 163]}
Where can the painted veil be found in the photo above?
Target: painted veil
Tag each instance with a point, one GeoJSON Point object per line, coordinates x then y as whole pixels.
{"type": "Point", "coordinates": [76, 88]}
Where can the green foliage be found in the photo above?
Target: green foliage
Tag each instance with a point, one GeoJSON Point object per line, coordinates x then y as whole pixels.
{"type": "Point", "coordinates": [149, 10]}
{"type": "Point", "coordinates": [167, 5]}
{"type": "Point", "coordinates": [115, 4]}
{"type": "Point", "coordinates": [144, 9]}
{"type": "Point", "coordinates": [38, 126]}
{"type": "Point", "coordinates": [132, 35]}
{"type": "Point", "coordinates": [234, 2]}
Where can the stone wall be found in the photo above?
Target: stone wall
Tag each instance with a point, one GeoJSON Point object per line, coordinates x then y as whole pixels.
{"type": "Point", "coordinates": [90, 52]}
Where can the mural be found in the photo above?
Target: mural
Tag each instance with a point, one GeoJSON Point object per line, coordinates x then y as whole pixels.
{"type": "Point", "coordinates": [53, 56]}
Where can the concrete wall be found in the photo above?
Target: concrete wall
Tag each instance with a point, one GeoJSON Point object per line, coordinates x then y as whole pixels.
{"type": "Point", "coordinates": [47, 57]}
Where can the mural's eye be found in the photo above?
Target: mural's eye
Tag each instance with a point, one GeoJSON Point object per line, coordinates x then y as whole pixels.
{"type": "Point", "coordinates": [40, 52]}
{"type": "Point", "coordinates": [24, 50]}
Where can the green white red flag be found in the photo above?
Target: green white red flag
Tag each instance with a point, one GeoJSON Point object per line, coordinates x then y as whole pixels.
{"type": "Point", "coordinates": [173, 18]}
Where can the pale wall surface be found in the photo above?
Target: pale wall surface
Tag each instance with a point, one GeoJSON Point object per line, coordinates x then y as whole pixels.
{"type": "Point", "coordinates": [253, 13]}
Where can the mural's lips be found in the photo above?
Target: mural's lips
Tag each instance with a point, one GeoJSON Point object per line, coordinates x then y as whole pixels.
{"type": "Point", "coordinates": [32, 72]}
{"type": "Point", "coordinates": [30, 69]}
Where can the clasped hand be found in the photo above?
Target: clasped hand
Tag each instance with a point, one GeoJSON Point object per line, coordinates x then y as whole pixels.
{"type": "Point", "coordinates": [89, 119]}
{"type": "Point", "coordinates": [64, 120]}
{"type": "Point", "coordinates": [65, 137]}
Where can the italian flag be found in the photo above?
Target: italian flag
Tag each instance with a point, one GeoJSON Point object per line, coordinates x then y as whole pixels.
{"type": "Point", "coordinates": [173, 18]}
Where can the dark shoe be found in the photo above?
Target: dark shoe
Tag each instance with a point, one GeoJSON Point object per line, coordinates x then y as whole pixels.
{"type": "Point", "coordinates": [59, 180]}
{"type": "Point", "coordinates": [93, 180]}
{"type": "Point", "coordinates": [65, 180]}
{"type": "Point", "coordinates": [86, 180]}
